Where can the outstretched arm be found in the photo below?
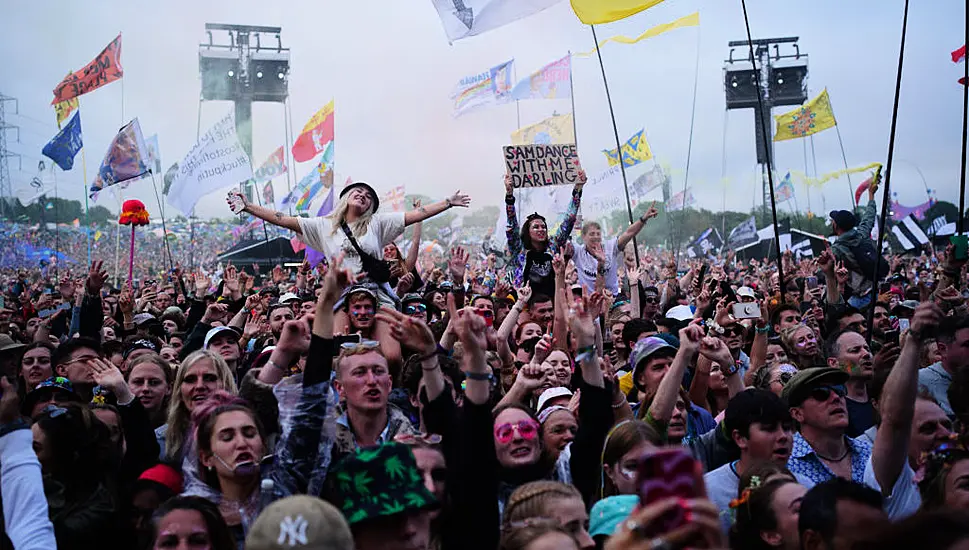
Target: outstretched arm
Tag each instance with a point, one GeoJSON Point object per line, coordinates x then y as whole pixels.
{"type": "Point", "coordinates": [568, 220]}
{"type": "Point", "coordinates": [511, 231]}
{"type": "Point", "coordinates": [422, 213]}
{"type": "Point", "coordinates": [411, 260]}
{"type": "Point", "coordinates": [238, 203]}
{"type": "Point", "coordinates": [636, 227]}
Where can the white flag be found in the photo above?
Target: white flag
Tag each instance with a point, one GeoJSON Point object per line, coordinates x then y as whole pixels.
{"type": "Point", "coordinates": [464, 18]}
{"type": "Point", "coordinates": [216, 162]}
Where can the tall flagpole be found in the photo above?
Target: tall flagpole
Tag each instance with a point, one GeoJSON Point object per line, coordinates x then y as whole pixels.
{"type": "Point", "coordinates": [87, 217]}
{"type": "Point", "coordinates": [171, 262]}
{"type": "Point", "coordinates": [689, 148]}
{"type": "Point", "coordinates": [575, 131]}
{"type": "Point", "coordinates": [615, 131]}
{"type": "Point", "coordinates": [960, 226]}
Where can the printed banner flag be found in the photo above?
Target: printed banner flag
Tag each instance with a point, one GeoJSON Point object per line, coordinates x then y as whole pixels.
{"type": "Point", "coordinates": [313, 177]}
{"type": "Point", "coordinates": [743, 234]}
{"type": "Point", "coordinates": [808, 119]}
{"type": "Point", "coordinates": [677, 202]}
{"type": "Point", "coordinates": [634, 151]}
{"type": "Point", "coordinates": [706, 245]}
{"type": "Point", "coordinates": [104, 69]}
{"type": "Point", "coordinates": [556, 129]}
{"type": "Point", "coordinates": [784, 190]}
{"type": "Point", "coordinates": [65, 144]}
{"type": "Point", "coordinates": [647, 181]}
{"type": "Point", "coordinates": [597, 12]}
{"type": "Point", "coordinates": [64, 109]}
{"type": "Point", "coordinates": [154, 154]}
{"type": "Point", "coordinates": [692, 20]}
{"type": "Point", "coordinates": [274, 166]}
{"type": "Point", "coordinates": [215, 162]}
{"type": "Point", "coordinates": [553, 81]}
{"type": "Point", "coordinates": [936, 225]}
{"type": "Point", "coordinates": [464, 18]}
{"type": "Point", "coordinates": [394, 199]}
{"type": "Point", "coordinates": [317, 133]}
{"type": "Point", "coordinates": [321, 181]}
{"type": "Point", "coordinates": [490, 87]}
{"type": "Point", "coordinates": [312, 255]}
{"type": "Point", "coordinates": [126, 159]}
{"type": "Point", "coordinates": [910, 234]}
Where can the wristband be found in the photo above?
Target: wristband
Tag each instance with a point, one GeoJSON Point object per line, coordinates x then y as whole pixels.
{"type": "Point", "coordinates": [586, 353]}
{"type": "Point", "coordinates": [764, 330]}
{"type": "Point", "coordinates": [430, 355]}
{"type": "Point", "coordinates": [734, 368]}
{"type": "Point", "coordinates": [479, 376]}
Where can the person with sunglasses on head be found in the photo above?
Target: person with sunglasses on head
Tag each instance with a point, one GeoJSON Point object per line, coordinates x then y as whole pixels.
{"type": "Point", "coordinates": [596, 256]}
{"type": "Point", "coordinates": [356, 229]}
{"type": "Point", "coordinates": [774, 378]}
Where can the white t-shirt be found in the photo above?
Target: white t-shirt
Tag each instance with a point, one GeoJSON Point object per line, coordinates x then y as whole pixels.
{"type": "Point", "coordinates": [587, 266]}
{"type": "Point", "coordinates": [318, 234]}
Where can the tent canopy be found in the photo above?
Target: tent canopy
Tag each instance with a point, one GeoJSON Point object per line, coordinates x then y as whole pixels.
{"type": "Point", "coordinates": [261, 252]}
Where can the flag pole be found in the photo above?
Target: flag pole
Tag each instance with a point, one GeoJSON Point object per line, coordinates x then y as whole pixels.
{"type": "Point", "coordinates": [689, 147]}
{"type": "Point", "coordinates": [117, 246]}
{"type": "Point", "coordinates": [161, 211]}
{"type": "Point", "coordinates": [575, 131]}
{"type": "Point", "coordinates": [965, 128]}
{"type": "Point", "coordinates": [615, 131]}
{"type": "Point", "coordinates": [888, 171]}
{"type": "Point", "coordinates": [87, 217]}
{"type": "Point", "coordinates": [766, 133]}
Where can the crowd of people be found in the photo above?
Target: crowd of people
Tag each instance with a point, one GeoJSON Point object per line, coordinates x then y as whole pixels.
{"type": "Point", "coordinates": [575, 394]}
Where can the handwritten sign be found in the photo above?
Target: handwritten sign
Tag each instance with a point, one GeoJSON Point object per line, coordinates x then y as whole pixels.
{"type": "Point", "coordinates": [104, 69]}
{"type": "Point", "coordinates": [542, 165]}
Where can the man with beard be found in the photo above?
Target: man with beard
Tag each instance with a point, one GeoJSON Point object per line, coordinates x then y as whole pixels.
{"type": "Point", "coordinates": [882, 330]}
{"type": "Point", "coordinates": [849, 352]}
{"type": "Point", "coordinates": [278, 315]}
{"type": "Point", "coordinates": [760, 426]}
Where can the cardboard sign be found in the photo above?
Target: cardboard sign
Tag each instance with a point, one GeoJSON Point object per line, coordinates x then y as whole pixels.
{"type": "Point", "coordinates": [542, 165]}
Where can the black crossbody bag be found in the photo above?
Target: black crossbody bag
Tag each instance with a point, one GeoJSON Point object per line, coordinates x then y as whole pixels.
{"type": "Point", "coordinates": [376, 269]}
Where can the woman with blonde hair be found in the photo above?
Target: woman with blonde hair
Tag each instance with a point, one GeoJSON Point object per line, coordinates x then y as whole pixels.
{"type": "Point", "coordinates": [551, 500]}
{"type": "Point", "coordinates": [199, 376]}
{"type": "Point", "coordinates": [355, 229]}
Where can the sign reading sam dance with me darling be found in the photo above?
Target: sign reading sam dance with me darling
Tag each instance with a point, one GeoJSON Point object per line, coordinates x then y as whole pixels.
{"type": "Point", "coordinates": [542, 165]}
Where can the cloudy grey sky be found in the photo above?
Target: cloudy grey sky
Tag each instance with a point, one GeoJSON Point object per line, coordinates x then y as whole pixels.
{"type": "Point", "coordinates": [390, 67]}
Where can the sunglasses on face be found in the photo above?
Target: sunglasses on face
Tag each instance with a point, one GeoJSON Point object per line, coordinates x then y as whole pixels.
{"type": "Point", "coordinates": [651, 300]}
{"type": "Point", "coordinates": [411, 309]}
{"type": "Point", "coordinates": [823, 393]}
{"type": "Point", "coordinates": [733, 331]}
{"type": "Point", "coordinates": [527, 429]}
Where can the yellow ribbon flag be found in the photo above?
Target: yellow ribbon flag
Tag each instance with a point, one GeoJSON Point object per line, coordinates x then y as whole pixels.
{"type": "Point", "coordinates": [556, 129]}
{"type": "Point", "coordinates": [812, 117]}
{"type": "Point", "coordinates": [597, 12]}
{"type": "Point", "coordinates": [692, 20]}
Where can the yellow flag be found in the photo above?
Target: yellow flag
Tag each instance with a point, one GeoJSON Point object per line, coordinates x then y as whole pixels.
{"type": "Point", "coordinates": [597, 12]}
{"type": "Point", "coordinates": [634, 151]}
{"type": "Point", "coordinates": [691, 20]}
{"type": "Point", "coordinates": [556, 129]}
{"type": "Point", "coordinates": [812, 117]}
{"type": "Point", "coordinates": [64, 108]}
{"type": "Point", "coordinates": [98, 235]}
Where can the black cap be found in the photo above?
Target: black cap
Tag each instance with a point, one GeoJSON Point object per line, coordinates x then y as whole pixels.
{"type": "Point", "coordinates": [373, 194]}
{"type": "Point", "coordinates": [845, 220]}
{"type": "Point", "coordinates": [801, 384]}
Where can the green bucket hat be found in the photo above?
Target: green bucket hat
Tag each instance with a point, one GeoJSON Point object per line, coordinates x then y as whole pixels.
{"type": "Point", "coordinates": [380, 482]}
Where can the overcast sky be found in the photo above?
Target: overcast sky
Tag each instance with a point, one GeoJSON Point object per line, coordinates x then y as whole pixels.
{"type": "Point", "coordinates": [390, 68]}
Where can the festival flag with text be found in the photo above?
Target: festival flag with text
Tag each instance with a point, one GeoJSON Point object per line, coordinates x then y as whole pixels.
{"type": "Point", "coordinates": [808, 119]}
{"type": "Point", "coordinates": [464, 18]}
{"type": "Point", "coordinates": [553, 81]}
{"type": "Point", "coordinates": [126, 159]}
{"type": "Point", "coordinates": [104, 69]}
{"type": "Point", "coordinates": [317, 133]}
{"type": "Point", "coordinates": [597, 12]}
{"type": "Point", "coordinates": [64, 146]}
{"type": "Point", "coordinates": [489, 87]}
{"type": "Point", "coordinates": [552, 130]}
{"type": "Point", "coordinates": [634, 151]}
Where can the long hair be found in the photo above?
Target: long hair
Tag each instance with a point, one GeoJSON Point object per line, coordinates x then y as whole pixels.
{"type": "Point", "coordinates": [204, 417]}
{"type": "Point", "coordinates": [339, 215]}
{"type": "Point", "coordinates": [754, 514]}
{"type": "Point", "coordinates": [80, 445]}
{"type": "Point", "coordinates": [179, 417]}
{"type": "Point", "coordinates": [218, 531]}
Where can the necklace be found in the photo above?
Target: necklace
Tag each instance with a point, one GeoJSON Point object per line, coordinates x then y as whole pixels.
{"type": "Point", "coordinates": [839, 459]}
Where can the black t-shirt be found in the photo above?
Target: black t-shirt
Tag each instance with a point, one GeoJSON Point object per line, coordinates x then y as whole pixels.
{"type": "Point", "coordinates": [861, 416]}
{"type": "Point", "coordinates": [539, 272]}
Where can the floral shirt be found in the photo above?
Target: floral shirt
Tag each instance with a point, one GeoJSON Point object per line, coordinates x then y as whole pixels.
{"type": "Point", "coordinates": [517, 249]}
{"type": "Point", "coordinates": [805, 463]}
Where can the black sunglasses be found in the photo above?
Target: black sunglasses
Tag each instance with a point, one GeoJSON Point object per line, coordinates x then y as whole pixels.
{"type": "Point", "coordinates": [823, 393]}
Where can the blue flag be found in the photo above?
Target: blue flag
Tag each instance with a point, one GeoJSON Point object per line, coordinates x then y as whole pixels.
{"type": "Point", "coordinates": [64, 146]}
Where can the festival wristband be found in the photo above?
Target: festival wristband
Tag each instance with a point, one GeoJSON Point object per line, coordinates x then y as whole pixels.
{"type": "Point", "coordinates": [479, 376]}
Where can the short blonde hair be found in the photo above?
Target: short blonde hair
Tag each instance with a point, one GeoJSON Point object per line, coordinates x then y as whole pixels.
{"type": "Point", "coordinates": [366, 346]}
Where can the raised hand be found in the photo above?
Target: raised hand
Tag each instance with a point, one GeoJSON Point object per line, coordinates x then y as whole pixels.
{"type": "Point", "coordinates": [231, 279]}
{"type": "Point", "coordinates": [508, 185]}
{"type": "Point", "coordinates": [530, 377]}
{"type": "Point", "coordinates": [651, 212]}
{"type": "Point", "coordinates": [336, 280]}
{"type": "Point", "coordinates": [715, 350]}
{"type": "Point", "coordinates": [459, 199]}
{"type": "Point", "coordinates": [690, 338]}
{"type": "Point", "coordinates": [826, 262]}
{"type": "Point", "coordinates": [842, 274]}
{"type": "Point", "coordinates": [525, 293]}
{"type": "Point", "coordinates": [542, 350]}
{"type": "Point", "coordinates": [278, 275]}
{"type": "Point", "coordinates": [927, 318]}
{"type": "Point", "coordinates": [109, 377]}
{"type": "Point", "coordinates": [295, 336]}
{"type": "Point", "coordinates": [202, 284]}
{"type": "Point", "coordinates": [214, 312]}
{"type": "Point", "coordinates": [96, 277]}
{"type": "Point", "coordinates": [410, 332]}
{"type": "Point", "coordinates": [471, 330]}
{"type": "Point", "coordinates": [458, 264]}
{"type": "Point", "coordinates": [582, 318]}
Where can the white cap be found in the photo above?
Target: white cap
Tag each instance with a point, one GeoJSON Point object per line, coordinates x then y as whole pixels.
{"type": "Point", "coordinates": [746, 292]}
{"type": "Point", "coordinates": [289, 296]}
{"type": "Point", "coordinates": [215, 331]}
{"type": "Point", "coordinates": [680, 313]}
{"type": "Point", "coordinates": [551, 394]}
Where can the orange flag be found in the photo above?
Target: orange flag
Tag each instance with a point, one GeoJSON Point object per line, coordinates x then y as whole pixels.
{"type": "Point", "coordinates": [103, 69]}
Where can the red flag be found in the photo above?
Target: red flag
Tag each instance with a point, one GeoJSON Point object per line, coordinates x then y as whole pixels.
{"type": "Point", "coordinates": [104, 69]}
{"type": "Point", "coordinates": [317, 133]}
{"type": "Point", "coordinates": [861, 189]}
{"type": "Point", "coordinates": [959, 55]}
